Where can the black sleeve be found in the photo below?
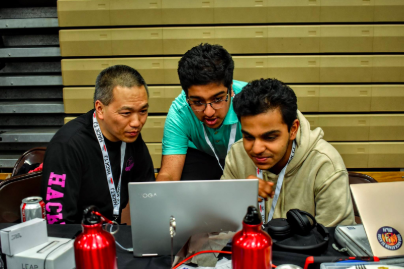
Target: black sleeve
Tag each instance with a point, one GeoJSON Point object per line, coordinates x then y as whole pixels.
{"type": "Point", "coordinates": [145, 170]}
{"type": "Point", "coordinates": [61, 181]}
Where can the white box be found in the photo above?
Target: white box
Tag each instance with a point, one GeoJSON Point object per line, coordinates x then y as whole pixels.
{"type": "Point", "coordinates": [59, 253]}
{"type": "Point", "coordinates": [23, 236]}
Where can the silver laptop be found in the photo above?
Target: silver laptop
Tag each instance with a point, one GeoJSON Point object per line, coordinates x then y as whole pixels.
{"type": "Point", "coordinates": [198, 207]}
{"type": "Point", "coordinates": [381, 209]}
{"type": "Point", "coordinates": [357, 234]}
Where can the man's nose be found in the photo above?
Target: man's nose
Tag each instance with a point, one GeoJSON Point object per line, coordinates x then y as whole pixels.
{"type": "Point", "coordinates": [209, 111]}
{"type": "Point", "coordinates": [135, 121]}
{"type": "Point", "coordinates": [258, 147]}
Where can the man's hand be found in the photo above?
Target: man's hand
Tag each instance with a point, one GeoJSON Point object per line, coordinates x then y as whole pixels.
{"type": "Point", "coordinates": [265, 189]}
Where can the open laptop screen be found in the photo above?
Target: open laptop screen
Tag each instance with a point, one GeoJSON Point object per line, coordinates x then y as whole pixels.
{"type": "Point", "coordinates": [198, 207]}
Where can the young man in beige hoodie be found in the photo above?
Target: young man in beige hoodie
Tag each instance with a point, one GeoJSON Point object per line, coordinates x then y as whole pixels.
{"type": "Point", "coordinates": [296, 168]}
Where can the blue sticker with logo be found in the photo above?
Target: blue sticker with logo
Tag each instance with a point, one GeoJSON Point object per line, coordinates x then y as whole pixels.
{"type": "Point", "coordinates": [389, 238]}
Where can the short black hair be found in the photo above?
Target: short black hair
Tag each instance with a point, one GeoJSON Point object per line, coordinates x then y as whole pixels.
{"type": "Point", "coordinates": [116, 75]}
{"type": "Point", "coordinates": [259, 96]}
{"type": "Point", "coordinates": [205, 64]}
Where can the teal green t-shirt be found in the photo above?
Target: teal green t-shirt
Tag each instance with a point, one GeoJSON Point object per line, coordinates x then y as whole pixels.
{"type": "Point", "coordinates": [182, 128]}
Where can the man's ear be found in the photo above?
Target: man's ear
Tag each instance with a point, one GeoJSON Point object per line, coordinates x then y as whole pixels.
{"type": "Point", "coordinates": [231, 90]}
{"type": "Point", "coordinates": [294, 129]}
{"type": "Point", "coordinates": [99, 109]}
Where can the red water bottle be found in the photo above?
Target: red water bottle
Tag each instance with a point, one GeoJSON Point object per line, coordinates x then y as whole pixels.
{"type": "Point", "coordinates": [252, 247]}
{"type": "Point", "coordinates": [94, 248]}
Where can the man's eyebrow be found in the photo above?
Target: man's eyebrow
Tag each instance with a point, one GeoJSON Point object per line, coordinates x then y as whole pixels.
{"type": "Point", "coordinates": [217, 94]}
{"type": "Point", "coordinates": [264, 134]}
{"type": "Point", "coordinates": [131, 108]}
{"type": "Point", "coordinates": [271, 133]}
{"type": "Point", "coordinates": [126, 108]}
{"type": "Point", "coordinates": [245, 132]}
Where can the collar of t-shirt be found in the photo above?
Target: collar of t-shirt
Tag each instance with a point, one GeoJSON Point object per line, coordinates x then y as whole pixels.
{"type": "Point", "coordinates": [220, 137]}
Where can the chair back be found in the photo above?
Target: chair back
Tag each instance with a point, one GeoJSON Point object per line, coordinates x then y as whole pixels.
{"type": "Point", "coordinates": [13, 190]}
{"type": "Point", "coordinates": [358, 178]}
{"type": "Point", "coordinates": [35, 155]}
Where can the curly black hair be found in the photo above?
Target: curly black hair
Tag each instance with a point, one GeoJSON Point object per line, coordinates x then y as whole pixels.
{"type": "Point", "coordinates": [205, 64]}
{"type": "Point", "coordinates": [259, 96]}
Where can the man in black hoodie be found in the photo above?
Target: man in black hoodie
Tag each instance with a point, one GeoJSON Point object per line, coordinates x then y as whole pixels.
{"type": "Point", "coordinates": [91, 159]}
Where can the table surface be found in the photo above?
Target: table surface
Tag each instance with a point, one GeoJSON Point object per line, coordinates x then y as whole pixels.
{"type": "Point", "coordinates": [126, 259]}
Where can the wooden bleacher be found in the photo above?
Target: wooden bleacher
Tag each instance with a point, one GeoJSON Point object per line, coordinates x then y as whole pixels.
{"type": "Point", "coordinates": [343, 58]}
{"type": "Point", "coordinates": [348, 77]}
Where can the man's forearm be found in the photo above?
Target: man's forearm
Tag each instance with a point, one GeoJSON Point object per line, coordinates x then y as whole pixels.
{"type": "Point", "coordinates": [164, 177]}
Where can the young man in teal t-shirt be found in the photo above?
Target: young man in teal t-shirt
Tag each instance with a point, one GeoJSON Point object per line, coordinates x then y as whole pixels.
{"type": "Point", "coordinates": [201, 125]}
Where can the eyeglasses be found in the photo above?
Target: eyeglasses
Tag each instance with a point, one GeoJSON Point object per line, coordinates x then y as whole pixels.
{"type": "Point", "coordinates": [217, 104]}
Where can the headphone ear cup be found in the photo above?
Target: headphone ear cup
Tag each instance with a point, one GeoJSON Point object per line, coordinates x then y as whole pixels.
{"type": "Point", "coordinates": [299, 223]}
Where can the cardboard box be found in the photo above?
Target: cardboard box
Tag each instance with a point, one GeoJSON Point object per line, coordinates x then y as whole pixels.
{"type": "Point", "coordinates": [386, 155]}
{"type": "Point", "coordinates": [293, 11]}
{"type": "Point", "coordinates": [137, 41]}
{"type": "Point", "coordinates": [355, 155]}
{"type": "Point", "coordinates": [188, 12]}
{"type": "Point", "coordinates": [347, 10]}
{"type": "Point", "coordinates": [153, 130]}
{"type": "Point", "coordinates": [388, 38]}
{"type": "Point", "coordinates": [294, 39]}
{"type": "Point", "coordinates": [346, 69]}
{"type": "Point", "coordinates": [387, 98]}
{"type": "Point", "coordinates": [85, 42]}
{"type": "Point", "coordinates": [83, 13]}
{"type": "Point", "coordinates": [58, 253]}
{"type": "Point", "coordinates": [136, 12]}
{"type": "Point", "coordinates": [307, 97]}
{"type": "Point", "coordinates": [20, 237]}
{"type": "Point", "coordinates": [346, 38]}
{"type": "Point", "coordinates": [388, 68]}
{"type": "Point", "coordinates": [386, 127]}
{"type": "Point", "coordinates": [78, 100]}
{"type": "Point", "coordinates": [240, 11]}
{"type": "Point", "coordinates": [155, 150]}
{"type": "Point", "coordinates": [294, 69]}
{"type": "Point", "coordinates": [179, 40]}
{"type": "Point", "coordinates": [345, 98]}
{"type": "Point", "coordinates": [243, 39]}
{"type": "Point", "coordinates": [388, 10]}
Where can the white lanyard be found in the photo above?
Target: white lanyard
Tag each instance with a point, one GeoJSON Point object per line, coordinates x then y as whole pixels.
{"type": "Point", "coordinates": [232, 138]}
{"type": "Point", "coordinates": [115, 193]}
{"type": "Point", "coordinates": [277, 190]}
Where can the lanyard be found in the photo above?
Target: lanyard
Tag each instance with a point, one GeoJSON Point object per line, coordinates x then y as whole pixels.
{"type": "Point", "coordinates": [277, 190]}
{"type": "Point", "coordinates": [232, 138]}
{"type": "Point", "coordinates": [115, 193]}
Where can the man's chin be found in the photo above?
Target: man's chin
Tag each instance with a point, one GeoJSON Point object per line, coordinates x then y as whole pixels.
{"type": "Point", "coordinates": [262, 166]}
{"type": "Point", "coordinates": [129, 139]}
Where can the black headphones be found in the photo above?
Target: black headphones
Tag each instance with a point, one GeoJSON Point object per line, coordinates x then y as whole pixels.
{"type": "Point", "coordinates": [297, 233]}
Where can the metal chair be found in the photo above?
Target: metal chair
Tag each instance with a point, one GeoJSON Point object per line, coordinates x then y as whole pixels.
{"type": "Point", "coordinates": [16, 188]}
{"type": "Point", "coordinates": [35, 155]}
{"type": "Point", "coordinates": [358, 178]}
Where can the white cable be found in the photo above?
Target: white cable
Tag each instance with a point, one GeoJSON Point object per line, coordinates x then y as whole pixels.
{"type": "Point", "coordinates": [119, 245]}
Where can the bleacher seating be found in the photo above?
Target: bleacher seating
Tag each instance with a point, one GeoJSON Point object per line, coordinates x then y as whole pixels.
{"type": "Point", "coordinates": [343, 58]}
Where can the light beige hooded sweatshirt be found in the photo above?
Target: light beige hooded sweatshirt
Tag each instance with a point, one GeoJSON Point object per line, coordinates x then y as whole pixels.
{"type": "Point", "coordinates": [315, 181]}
